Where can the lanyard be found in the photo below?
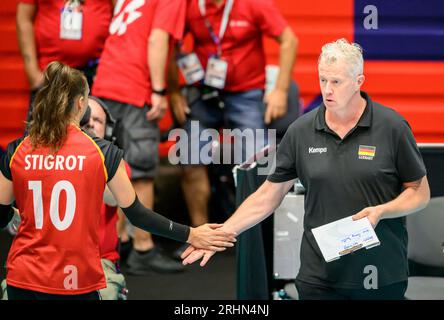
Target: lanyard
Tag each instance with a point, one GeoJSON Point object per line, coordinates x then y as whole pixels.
{"type": "Point", "coordinates": [74, 4]}
{"type": "Point", "coordinates": [223, 26]}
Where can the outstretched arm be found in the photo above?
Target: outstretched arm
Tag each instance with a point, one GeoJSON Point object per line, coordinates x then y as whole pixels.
{"type": "Point", "coordinates": [258, 206]}
{"type": "Point", "coordinates": [253, 210]}
{"type": "Point", "coordinates": [207, 236]}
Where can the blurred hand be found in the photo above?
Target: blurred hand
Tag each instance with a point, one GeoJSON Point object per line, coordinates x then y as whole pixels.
{"type": "Point", "coordinates": [35, 80]}
{"type": "Point", "coordinates": [372, 213]}
{"type": "Point", "coordinates": [276, 105]}
{"type": "Point", "coordinates": [179, 107]}
{"type": "Point", "coordinates": [14, 224]}
{"type": "Point", "coordinates": [207, 236]}
{"type": "Point", "coordinates": [191, 254]}
{"type": "Point", "coordinates": [159, 105]}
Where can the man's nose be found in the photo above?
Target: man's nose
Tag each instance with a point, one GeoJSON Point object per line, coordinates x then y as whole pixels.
{"type": "Point", "coordinates": [90, 124]}
{"type": "Point", "coordinates": [328, 88]}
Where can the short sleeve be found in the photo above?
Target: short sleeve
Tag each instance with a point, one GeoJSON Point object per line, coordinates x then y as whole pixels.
{"type": "Point", "coordinates": [113, 155]}
{"type": "Point", "coordinates": [285, 159]}
{"type": "Point", "coordinates": [268, 17]}
{"type": "Point", "coordinates": [408, 158]}
{"type": "Point", "coordinates": [170, 17]}
{"type": "Point", "coordinates": [5, 159]}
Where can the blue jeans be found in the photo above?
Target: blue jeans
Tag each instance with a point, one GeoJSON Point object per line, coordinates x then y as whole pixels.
{"type": "Point", "coordinates": [232, 110]}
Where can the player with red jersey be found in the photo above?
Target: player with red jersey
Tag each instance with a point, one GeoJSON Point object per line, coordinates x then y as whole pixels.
{"type": "Point", "coordinates": [57, 176]}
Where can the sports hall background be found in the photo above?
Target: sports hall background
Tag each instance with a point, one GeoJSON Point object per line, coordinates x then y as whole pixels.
{"type": "Point", "coordinates": [404, 66]}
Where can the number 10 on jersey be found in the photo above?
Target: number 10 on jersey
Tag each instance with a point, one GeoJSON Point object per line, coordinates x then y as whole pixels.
{"type": "Point", "coordinates": [63, 185]}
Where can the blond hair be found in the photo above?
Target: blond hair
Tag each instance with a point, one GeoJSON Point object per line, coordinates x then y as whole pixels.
{"type": "Point", "coordinates": [350, 53]}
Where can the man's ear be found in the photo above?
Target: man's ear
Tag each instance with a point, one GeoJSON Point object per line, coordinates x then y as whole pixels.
{"type": "Point", "coordinates": [360, 80]}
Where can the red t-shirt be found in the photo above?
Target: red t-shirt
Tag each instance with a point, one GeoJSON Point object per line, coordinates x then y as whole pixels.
{"type": "Point", "coordinates": [123, 73]}
{"type": "Point", "coordinates": [242, 44]}
{"type": "Point", "coordinates": [109, 240]}
{"type": "Point", "coordinates": [75, 53]}
{"type": "Point", "coordinates": [56, 249]}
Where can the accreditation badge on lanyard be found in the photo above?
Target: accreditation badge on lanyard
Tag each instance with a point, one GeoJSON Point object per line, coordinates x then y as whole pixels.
{"type": "Point", "coordinates": [71, 20]}
{"type": "Point", "coordinates": [191, 68]}
{"type": "Point", "coordinates": [216, 72]}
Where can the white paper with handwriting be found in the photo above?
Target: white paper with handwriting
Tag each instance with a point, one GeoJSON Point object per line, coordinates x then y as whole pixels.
{"type": "Point", "coordinates": [344, 236]}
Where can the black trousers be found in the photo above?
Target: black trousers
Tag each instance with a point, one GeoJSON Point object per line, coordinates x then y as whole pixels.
{"type": "Point", "coordinates": [22, 294]}
{"type": "Point", "coordinates": [308, 291]}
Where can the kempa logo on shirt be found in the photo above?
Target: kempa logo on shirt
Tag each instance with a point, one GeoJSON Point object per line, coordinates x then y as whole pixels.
{"type": "Point", "coordinates": [317, 150]}
{"type": "Point", "coordinates": [366, 152]}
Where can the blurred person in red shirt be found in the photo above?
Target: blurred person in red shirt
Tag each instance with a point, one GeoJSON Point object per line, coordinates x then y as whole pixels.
{"type": "Point", "coordinates": [72, 32]}
{"type": "Point", "coordinates": [131, 80]}
{"type": "Point", "coordinates": [225, 75]}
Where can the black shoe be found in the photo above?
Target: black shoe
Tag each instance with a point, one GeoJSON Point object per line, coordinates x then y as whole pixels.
{"type": "Point", "coordinates": [177, 253]}
{"type": "Point", "coordinates": [153, 260]}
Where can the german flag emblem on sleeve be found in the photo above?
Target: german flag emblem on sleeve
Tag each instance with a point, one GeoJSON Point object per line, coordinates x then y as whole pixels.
{"type": "Point", "coordinates": [366, 152]}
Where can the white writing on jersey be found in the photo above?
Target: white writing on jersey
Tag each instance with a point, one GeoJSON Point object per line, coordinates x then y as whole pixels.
{"type": "Point", "coordinates": [125, 16]}
{"type": "Point", "coordinates": [50, 162]}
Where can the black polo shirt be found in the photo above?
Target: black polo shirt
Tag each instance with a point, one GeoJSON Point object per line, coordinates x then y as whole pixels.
{"type": "Point", "coordinates": [343, 176]}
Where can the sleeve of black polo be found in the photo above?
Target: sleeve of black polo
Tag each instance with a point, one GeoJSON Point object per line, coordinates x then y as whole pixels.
{"type": "Point", "coordinates": [285, 158]}
{"type": "Point", "coordinates": [150, 221]}
{"type": "Point", "coordinates": [408, 157]}
{"type": "Point", "coordinates": [6, 214]}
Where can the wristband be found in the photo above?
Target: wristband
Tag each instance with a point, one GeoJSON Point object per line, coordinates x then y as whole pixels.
{"type": "Point", "coordinates": [162, 92]}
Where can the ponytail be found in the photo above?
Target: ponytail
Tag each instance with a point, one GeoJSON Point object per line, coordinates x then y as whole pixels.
{"type": "Point", "coordinates": [54, 104]}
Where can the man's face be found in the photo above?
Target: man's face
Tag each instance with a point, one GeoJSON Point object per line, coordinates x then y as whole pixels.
{"type": "Point", "coordinates": [97, 121]}
{"type": "Point", "coordinates": [337, 84]}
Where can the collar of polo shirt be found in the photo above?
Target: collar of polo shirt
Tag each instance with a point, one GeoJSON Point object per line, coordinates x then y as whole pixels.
{"type": "Point", "coordinates": [364, 121]}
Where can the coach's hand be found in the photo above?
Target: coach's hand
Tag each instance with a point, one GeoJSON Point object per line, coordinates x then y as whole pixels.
{"type": "Point", "coordinates": [372, 213]}
{"type": "Point", "coordinates": [191, 254]}
{"type": "Point", "coordinates": [208, 236]}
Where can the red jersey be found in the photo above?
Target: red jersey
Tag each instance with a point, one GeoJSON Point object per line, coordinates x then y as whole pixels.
{"type": "Point", "coordinates": [123, 73]}
{"type": "Point", "coordinates": [75, 53]}
{"type": "Point", "coordinates": [109, 240]}
{"type": "Point", "coordinates": [242, 46]}
{"type": "Point", "coordinates": [59, 196]}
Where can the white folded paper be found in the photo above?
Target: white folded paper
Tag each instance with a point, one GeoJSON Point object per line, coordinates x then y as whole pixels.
{"type": "Point", "coordinates": [344, 236]}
